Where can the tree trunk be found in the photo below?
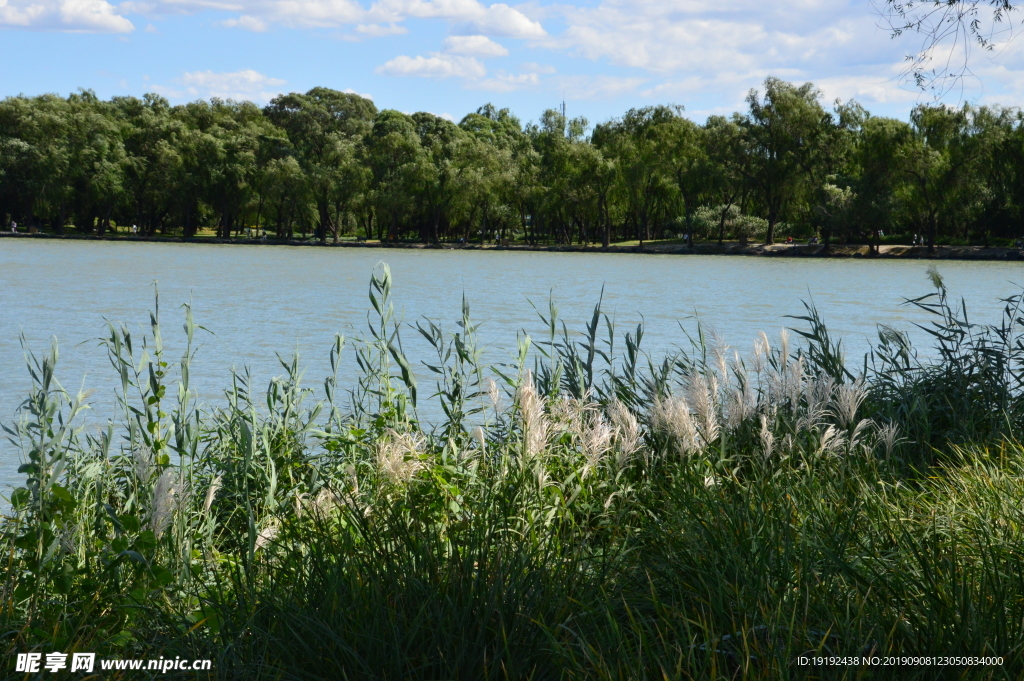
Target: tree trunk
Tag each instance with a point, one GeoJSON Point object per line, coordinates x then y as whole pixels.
{"type": "Point", "coordinates": [61, 215]}
{"type": "Point", "coordinates": [325, 221]}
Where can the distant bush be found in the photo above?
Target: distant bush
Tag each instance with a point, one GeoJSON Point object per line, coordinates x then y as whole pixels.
{"type": "Point", "coordinates": [708, 223]}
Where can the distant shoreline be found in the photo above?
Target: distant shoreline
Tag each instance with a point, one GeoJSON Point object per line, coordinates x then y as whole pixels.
{"type": "Point", "coordinates": [775, 250]}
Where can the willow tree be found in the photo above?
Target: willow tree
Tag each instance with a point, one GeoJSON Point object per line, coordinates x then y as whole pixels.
{"type": "Point", "coordinates": [684, 155]}
{"type": "Point", "coordinates": [940, 165]}
{"type": "Point", "coordinates": [635, 141]}
{"type": "Point", "coordinates": [781, 129]}
{"type": "Point", "coordinates": [391, 151]}
{"type": "Point", "coordinates": [322, 124]}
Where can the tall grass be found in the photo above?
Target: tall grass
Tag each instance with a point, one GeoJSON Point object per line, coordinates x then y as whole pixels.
{"type": "Point", "coordinates": [588, 511]}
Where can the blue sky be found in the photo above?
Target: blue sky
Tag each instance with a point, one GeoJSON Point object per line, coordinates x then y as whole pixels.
{"type": "Point", "coordinates": [450, 56]}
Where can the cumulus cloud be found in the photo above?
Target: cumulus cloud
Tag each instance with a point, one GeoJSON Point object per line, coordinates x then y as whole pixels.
{"type": "Point", "coordinates": [498, 19]}
{"type": "Point", "coordinates": [246, 84]}
{"type": "Point", "coordinates": [598, 87]}
{"type": "Point", "coordinates": [460, 58]}
{"type": "Point", "coordinates": [474, 46]}
{"type": "Point", "coordinates": [380, 30]}
{"type": "Point", "coordinates": [75, 16]}
{"type": "Point", "coordinates": [246, 21]}
{"type": "Point", "coordinates": [436, 65]}
{"type": "Point", "coordinates": [364, 95]}
{"type": "Point", "coordinates": [703, 53]}
{"type": "Point", "coordinates": [534, 67]}
{"type": "Point", "coordinates": [508, 82]}
{"type": "Point", "coordinates": [502, 20]}
{"type": "Point", "coordinates": [381, 18]}
{"type": "Point", "coordinates": [698, 49]}
{"type": "Point", "coordinates": [175, 7]}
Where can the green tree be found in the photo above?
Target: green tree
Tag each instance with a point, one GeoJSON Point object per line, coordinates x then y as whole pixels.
{"type": "Point", "coordinates": [781, 130]}
{"type": "Point", "coordinates": [684, 153]}
{"type": "Point", "coordinates": [392, 150]}
{"type": "Point", "coordinates": [728, 158]}
{"type": "Point", "coordinates": [152, 158]}
{"type": "Point", "coordinates": [634, 141]}
{"type": "Point", "coordinates": [322, 125]}
{"type": "Point", "coordinates": [879, 179]}
{"type": "Point", "coordinates": [439, 170]}
{"type": "Point", "coordinates": [939, 162]}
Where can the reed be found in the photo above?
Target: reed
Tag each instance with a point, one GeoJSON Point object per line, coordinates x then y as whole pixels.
{"type": "Point", "coordinates": [577, 514]}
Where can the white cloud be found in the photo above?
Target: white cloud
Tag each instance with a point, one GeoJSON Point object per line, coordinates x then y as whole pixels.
{"type": "Point", "coordinates": [701, 50]}
{"type": "Point", "coordinates": [508, 82]}
{"type": "Point", "coordinates": [246, 84]}
{"type": "Point", "coordinates": [474, 46]}
{"type": "Point", "coordinates": [176, 7]}
{"type": "Point", "coordinates": [381, 18]}
{"type": "Point", "coordinates": [502, 20]}
{"type": "Point", "coordinates": [246, 21]}
{"type": "Point", "coordinates": [313, 13]}
{"type": "Point", "coordinates": [703, 53]}
{"type": "Point", "coordinates": [380, 30]}
{"type": "Point", "coordinates": [361, 94]}
{"type": "Point", "coordinates": [534, 67]}
{"type": "Point", "coordinates": [291, 13]}
{"type": "Point", "coordinates": [73, 16]}
{"type": "Point", "coordinates": [598, 87]}
{"type": "Point", "coordinates": [866, 88]}
{"type": "Point", "coordinates": [497, 19]}
{"type": "Point", "coordinates": [435, 66]}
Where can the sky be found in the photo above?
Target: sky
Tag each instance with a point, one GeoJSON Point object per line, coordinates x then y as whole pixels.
{"type": "Point", "coordinates": [448, 57]}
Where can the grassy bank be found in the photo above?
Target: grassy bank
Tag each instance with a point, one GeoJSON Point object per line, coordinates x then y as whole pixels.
{"type": "Point", "coordinates": [585, 512]}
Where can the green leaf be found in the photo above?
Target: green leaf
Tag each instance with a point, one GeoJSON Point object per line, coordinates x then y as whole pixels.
{"type": "Point", "coordinates": [130, 523]}
{"type": "Point", "coordinates": [61, 493]}
{"type": "Point", "coordinates": [20, 498]}
{"type": "Point", "coordinates": [161, 576]}
{"type": "Point", "coordinates": [146, 541]}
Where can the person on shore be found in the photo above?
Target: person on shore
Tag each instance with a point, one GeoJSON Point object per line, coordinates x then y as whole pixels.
{"type": "Point", "coordinates": [14, 227]}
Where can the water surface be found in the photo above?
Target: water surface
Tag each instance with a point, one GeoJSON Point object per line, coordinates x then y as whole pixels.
{"type": "Point", "coordinates": [262, 300]}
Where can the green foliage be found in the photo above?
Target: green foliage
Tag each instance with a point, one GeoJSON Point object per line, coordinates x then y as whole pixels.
{"type": "Point", "coordinates": [586, 511]}
{"type": "Point", "coordinates": [328, 165]}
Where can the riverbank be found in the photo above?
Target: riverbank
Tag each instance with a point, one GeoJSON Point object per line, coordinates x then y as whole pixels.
{"type": "Point", "coordinates": [670, 248]}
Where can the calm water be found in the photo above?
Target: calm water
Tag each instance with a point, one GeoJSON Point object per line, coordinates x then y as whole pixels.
{"type": "Point", "coordinates": [267, 299]}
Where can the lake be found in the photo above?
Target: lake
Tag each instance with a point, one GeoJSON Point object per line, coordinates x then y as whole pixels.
{"type": "Point", "coordinates": [262, 300]}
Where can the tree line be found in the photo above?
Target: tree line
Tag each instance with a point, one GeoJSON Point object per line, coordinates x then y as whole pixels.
{"type": "Point", "coordinates": [328, 164]}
